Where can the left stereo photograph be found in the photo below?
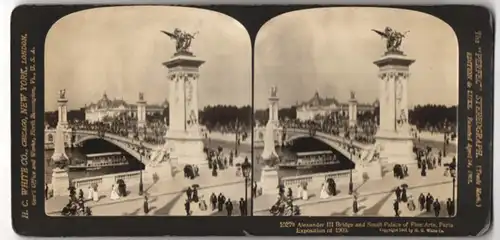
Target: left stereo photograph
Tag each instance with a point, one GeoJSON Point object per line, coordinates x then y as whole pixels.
{"type": "Point", "coordinates": [147, 113]}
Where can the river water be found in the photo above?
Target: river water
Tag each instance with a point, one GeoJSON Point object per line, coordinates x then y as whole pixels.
{"type": "Point", "coordinates": [288, 154]}
{"type": "Point", "coordinates": [100, 146]}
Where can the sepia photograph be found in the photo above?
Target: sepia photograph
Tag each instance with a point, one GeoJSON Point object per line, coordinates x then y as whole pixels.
{"type": "Point", "coordinates": [147, 113]}
{"type": "Point", "coordinates": [355, 112]}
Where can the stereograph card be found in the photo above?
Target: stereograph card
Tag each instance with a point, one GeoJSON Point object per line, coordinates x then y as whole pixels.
{"type": "Point", "coordinates": [152, 120]}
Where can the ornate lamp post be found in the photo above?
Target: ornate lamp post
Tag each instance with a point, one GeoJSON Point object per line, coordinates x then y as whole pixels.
{"type": "Point", "coordinates": [350, 171]}
{"type": "Point", "coordinates": [141, 185]}
{"type": "Point", "coordinates": [246, 167]}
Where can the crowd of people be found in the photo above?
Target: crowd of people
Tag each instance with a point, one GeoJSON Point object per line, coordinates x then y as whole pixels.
{"type": "Point", "coordinates": [76, 204]}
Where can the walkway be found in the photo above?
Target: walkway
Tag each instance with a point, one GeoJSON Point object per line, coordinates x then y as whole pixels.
{"type": "Point", "coordinates": [173, 186]}
{"type": "Point", "coordinates": [375, 187]}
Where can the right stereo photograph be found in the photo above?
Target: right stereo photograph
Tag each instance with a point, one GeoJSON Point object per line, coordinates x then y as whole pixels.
{"type": "Point", "coordinates": [355, 114]}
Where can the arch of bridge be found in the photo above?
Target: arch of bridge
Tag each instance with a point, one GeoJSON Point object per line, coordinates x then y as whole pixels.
{"type": "Point", "coordinates": [126, 144]}
{"type": "Point", "coordinates": [331, 140]}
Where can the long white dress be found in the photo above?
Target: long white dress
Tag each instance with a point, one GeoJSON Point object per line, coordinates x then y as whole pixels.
{"type": "Point", "coordinates": [324, 193]}
{"type": "Point", "coordinates": [299, 192]}
{"type": "Point", "coordinates": [90, 194]}
{"type": "Point", "coordinates": [95, 195]}
{"type": "Point", "coordinates": [305, 196]}
{"type": "Point", "coordinates": [114, 194]}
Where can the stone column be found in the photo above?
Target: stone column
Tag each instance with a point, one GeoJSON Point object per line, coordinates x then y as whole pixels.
{"type": "Point", "coordinates": [60, 178]}
{"type": "Point", "coordinates": [141, 112]}
{"type": "Point", "coordinates": [184, 136]}
{"type": "Point", "coordinates": [353, 112]}
{"type": "Point", "coordinates": [62, 112]}
{"type": "Point", "coordinates": [274, 107]}
{"type": "Point", "coordinates": [393, 137]}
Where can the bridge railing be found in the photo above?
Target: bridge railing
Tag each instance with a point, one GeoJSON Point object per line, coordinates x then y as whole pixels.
{"type": "Point", "coordinates": [314, 181]}
{"type": "Point", "coordinates": [107, 181]}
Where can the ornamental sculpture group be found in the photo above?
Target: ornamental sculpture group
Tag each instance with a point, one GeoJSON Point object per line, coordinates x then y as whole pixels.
{"type": "Point", "coordinates": [182, 40]}
{"type": "Point", "coordinates": [393, 39]}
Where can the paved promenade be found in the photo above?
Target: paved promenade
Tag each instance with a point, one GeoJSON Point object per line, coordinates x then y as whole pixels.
{"type": "Point", "coordinates": [226, 182]}
{"type": "Point", "coordinates": [370, 193]}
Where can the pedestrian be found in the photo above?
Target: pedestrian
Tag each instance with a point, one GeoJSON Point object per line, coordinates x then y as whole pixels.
{"type": "Point", "coordinates": [290, 193]}
{"type": "Point", "coordinates": [254, 189]}
{"type": "Point", "coordinates": [437, 207]}
{"type": "Point", "coordinates": [398, 194]}
{"type": "Point", "coordinates": [404, 197]}
{"type": "Point", "coordinates": [242, 207]}
{"type": "Point", "coordinates": [213, 200]}
{"type": "Point", "coordinates": [46, 191]}
{"type": "Point", "coordinates": [421, 200]}
{"type": "Point", "coordinates": [355, 207]}
{"type": "Point", "coordinates": [146, 205]}
{"type": "Point", "coordinates": [189, 193]}
{"type": "Point", "coordinates": [428, 202]}
{"type": "Point", "coordinates": [229, 207]}
{"type": "Point", "coordinates": [396, 207]}
{"type": "Point", "coordinates": [187, 207]}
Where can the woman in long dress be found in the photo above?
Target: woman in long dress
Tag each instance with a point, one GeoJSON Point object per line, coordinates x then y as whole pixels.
{"type": "Point", "coordinates": [90, 194]}
{"type": "Point", "coordinates": [95, 194]}
{"type": "Point", "coordinates": [299, 191]}
{"type": "Point", "coordinates": [305, 196]}
{"type": "Point", "coordinates": [114, 195]}
{"type": "Point", "coordinates": [324, 193]}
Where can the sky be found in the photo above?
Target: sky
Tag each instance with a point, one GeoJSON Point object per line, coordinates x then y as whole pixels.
{"type": "Point", "coordinates": [332, 50]}
{"type": "Point", "coordinates": [120, 51]}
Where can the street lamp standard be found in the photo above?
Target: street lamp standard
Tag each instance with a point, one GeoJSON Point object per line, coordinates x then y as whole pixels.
{"type": "Point", "coordinates": [350, 170]}
{"type": "Point", "coordinates": [246, 167]}
{"type": "Point", "coordinates": [141, 185]}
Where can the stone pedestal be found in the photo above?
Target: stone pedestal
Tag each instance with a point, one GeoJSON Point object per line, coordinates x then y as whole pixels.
{"type": "Point", "coordinates": [393, 136]}
{"type": "Point", "coordinates": [269, 180]}
{"type": "Point", "coordinates": [184, 134]}
{"type": "Point", "coordinates": [269, 144]}
{"type": "Point", "coordinates": [141, 114]}
{"type": "Point", "coordinates": [60, 182]}
{"type": "Point", "coordinates": [353, 112]}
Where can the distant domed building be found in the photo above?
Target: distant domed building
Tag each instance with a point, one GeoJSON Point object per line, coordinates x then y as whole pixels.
{"type": "Point", "coordinates": [106, 108]}
{"type": "Point", "coordinates": [318, 106]}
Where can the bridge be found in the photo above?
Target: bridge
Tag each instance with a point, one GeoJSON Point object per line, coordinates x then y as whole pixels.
{"type": "Point", "coordinates": [363, 153]}
{"type": "Point", "coordinates": [150, 153]}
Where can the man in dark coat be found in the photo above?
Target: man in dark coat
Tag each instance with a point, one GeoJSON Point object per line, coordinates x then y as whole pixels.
{"type": "Point", "coordinates": [146, 205]}
{"type": "Point", "coordinates": [213, 200]}
{"type": "Point", "coordinates": [290, 193]}
{"type": "Point", "coordinates": [421, 200]}
{"type": "Point", "coordinates": [404, 197]}
{"type": "Point", "coordinates": [254, 189]}
{"type": "Point", "coordinates": [398, 194]}
{"type": "Point", "coordinates": [214, 170]}
{"type": "Point", "coordinates": [437, 207]}
{"type": "Point", "coordinates": [189, 193]}
{"type": "Point", "coordinates": [396, 207]}
{"type": "Point", "coordinates": [243, 207]}
{"type": "Point", "coordinates": [423, 173]}
{"type": "Point", "coordinates": [187, 207]}
{"type": "Point", "coordinates": [229, 207]}
{"type": "Point", "coordinates": [221, 200]}
{"type": "Point", "coordinates": [428, 202]}
{"type": "Point", "coordinates": [194, 197]}
{"type": "Point", "coordinates": [355, 207]}
{"type": "Point", "coordinates": [46, 190]}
